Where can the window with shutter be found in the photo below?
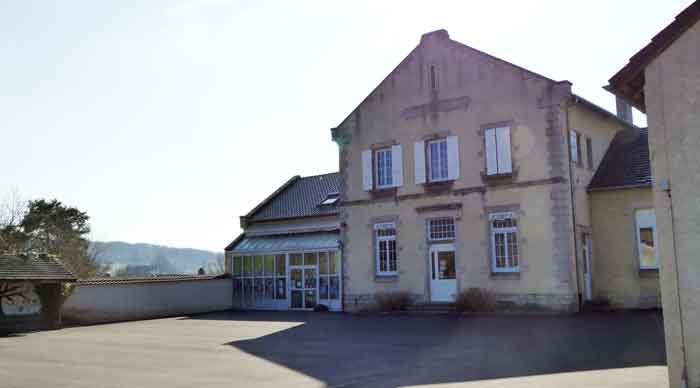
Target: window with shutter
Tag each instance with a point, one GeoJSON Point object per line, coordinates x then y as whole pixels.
{"type": "Point", "coordinates": [383, 169]}
{"type": "Point", "coordinates": [437, 160]}
{"type": "Point", "coordinates": [573, 145]}
{"type": "Point", "coordinates": [499, 159]}
{"type": "Point", "coordinates": [589, 152]}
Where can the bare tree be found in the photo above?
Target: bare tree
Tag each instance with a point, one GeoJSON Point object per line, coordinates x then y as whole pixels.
{"type": "Point", "coordinates": [12, 210]}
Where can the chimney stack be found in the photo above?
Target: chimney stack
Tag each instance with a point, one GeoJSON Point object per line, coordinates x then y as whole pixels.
{"type": "Point", "coordinates": [624, 110]}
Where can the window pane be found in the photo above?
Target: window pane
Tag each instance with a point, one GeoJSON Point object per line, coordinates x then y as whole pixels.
{"type": "Point", "coordinates": [500, 250]}
{"type": "Point", "coordinates": [323, 287]}
{"type": "Point", "coordinates": [281, 288]}
{"type": "Point", "coordinates": [237, 287]}
{"type": "Point", "coordinates": [248, 291]}
{"type": "Point", "coordinates": [295, 259]}
{"type": "Point", "coordinates": [297, 300]}
{"type": "Point", "coordinates": [646, 247]}
{"type": "Point", "coordinates": [259, 289]}
{"type": "Point", "coordinates": [295, 274]}
{"type": "Point", "coordinates": [333, 258]}
{"type": "Point", "coordinates": [269, 265]}
{"type": "Point", "coordinates": [310, 278]}
{"type": "Point", "coordinates": [446, 265]}
{"type": "Point", "coordinates": [281, 265]}
{"type": "Point", "coordinates": [310, 258]}
{"type": "Point", "coordinates": [392, 255]}
{"type": "Point", "coordinates": [247, 265]}
{"type": "Point", "coordinates": [258, 265]}
{"type": "Point", "coordinates": [269, 288]}
{"type": "Point", "coordinates": [512, 250]}
{"type": "Point", "coordinates": [310, 299]}
{"type": "Point", "coordinates": [383, 256]}
{"type": "Point", "coordinates": [323, 263]}
{"type": "Point", "coordinates": [237, 266]}
{"type": "Point", "coordinates": [383, 167]}
{"type": "Point", "coordinates": [334, 292]}
{"type": "Point", "coordinates": [443, 159]}
{"type": "Point", "coordinates": [441, 229]}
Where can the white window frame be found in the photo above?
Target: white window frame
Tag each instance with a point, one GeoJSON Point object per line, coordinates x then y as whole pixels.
{"type": "Point", "coordinates": [639, 224]}
{"type": "Point", "coordinates": [493, 231]}
{"type": "Point", "coordinates": [386, 174]}
{"type": "Point", "coordinates": [441, 219]}
{"type": "Point", "coordinates": [443, 158]}
{"type": "Point", "coordinates": [378, 239]}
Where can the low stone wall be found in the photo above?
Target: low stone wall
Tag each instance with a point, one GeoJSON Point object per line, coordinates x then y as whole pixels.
{"type": "Point", "coordinates": [112, 300]}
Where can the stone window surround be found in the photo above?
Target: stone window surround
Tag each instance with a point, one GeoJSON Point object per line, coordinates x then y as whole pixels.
{"type": "Point", "coordinates": [381, 192]}
{"type": "Point", "coordinates": [523, 267]}
{"type": "Point", "coordinates": [384, 278]}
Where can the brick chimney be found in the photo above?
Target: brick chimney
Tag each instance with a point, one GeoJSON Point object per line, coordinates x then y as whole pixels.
{"type": "Point", "coordinates": [624, 110]}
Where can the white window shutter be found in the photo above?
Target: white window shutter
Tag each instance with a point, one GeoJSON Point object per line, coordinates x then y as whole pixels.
{"type": "Point", "coordinates": [367, 170]}
{"type": "Point", "coordinates": [491, 161]}
{"type": "Point", "coordinates": [452, 157]}
{"type": "Point", "coordinates": [396, 165]}
{"type": "Point", "coordinates": [505, 162]}
{"type": "Point", "coordinates": [419, 161]}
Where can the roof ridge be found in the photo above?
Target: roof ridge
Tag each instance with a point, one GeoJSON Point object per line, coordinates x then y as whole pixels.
{"type": "Point", "coordinates": [318, 175]}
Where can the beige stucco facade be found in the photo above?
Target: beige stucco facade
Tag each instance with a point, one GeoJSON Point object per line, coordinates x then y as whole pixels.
{"type": "Point", "coordinates": [673, 109]}
{"type": "Point", "coordinates": [473, 91]}
{"type": "Point", "coordinates": [616, 273]}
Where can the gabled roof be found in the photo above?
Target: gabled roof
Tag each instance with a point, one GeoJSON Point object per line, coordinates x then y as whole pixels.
{"type": "Point", "coordinates": [33, 267]}
{"type": "Point", "coordinates": [443, 36]}
{"type": "Point", "coordinates": [298, 197]}
{"type": "Point", "coordinates": [628, 83]}
{"type": "Point", "coordinates": [597, 108]}
{"type": "Point", "coordinates": [626, 162]}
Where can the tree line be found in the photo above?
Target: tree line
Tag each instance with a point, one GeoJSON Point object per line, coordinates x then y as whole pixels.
{"type": "Point", "coordinates": [48, 226]}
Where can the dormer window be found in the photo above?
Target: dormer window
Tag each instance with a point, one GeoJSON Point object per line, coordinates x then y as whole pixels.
{"type": "Point", "coordinates": [331, 199]}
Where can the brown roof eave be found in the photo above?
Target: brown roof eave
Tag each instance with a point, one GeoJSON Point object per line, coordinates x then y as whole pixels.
{"type": "Point", "coordinates": [628, 82]}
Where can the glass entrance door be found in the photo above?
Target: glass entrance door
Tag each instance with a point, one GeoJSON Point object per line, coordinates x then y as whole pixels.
{"type": "Point", "coordinates": [303, 286]}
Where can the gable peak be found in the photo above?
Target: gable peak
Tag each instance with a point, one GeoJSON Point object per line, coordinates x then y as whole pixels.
{"type": "Point", "coordinates": [440, 34]}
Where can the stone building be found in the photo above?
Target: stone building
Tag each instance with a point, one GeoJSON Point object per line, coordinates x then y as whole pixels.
{"type": "Point", "coordinates": [663, 80]}
{"type": "Point", "coordinates": [460, 170]}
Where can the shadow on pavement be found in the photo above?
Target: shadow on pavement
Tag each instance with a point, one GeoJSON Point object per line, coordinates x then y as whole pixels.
{"type": "Point", "coordinates": [399, 350]}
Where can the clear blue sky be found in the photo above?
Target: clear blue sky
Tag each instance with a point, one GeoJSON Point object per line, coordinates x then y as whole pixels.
{"type": "Point", "coordinates": [165, 121]}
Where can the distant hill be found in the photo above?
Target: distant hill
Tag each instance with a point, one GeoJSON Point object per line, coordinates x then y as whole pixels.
{"type": "Point", "coordinates": [172, 260]}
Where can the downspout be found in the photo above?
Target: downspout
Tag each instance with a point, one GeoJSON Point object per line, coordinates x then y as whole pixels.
{"type": "Point", "coordinates": [573, 197]}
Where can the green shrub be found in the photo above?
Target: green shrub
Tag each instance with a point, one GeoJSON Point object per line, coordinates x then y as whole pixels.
{"type": "Point", "coordinates": [393, 301]}
{"type": "Point", "coordinates": [475, 300]}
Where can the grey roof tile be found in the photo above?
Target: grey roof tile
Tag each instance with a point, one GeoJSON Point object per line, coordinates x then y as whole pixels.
{"type": "Point", "coordinates": [301, 197]}
{"type": "Point", "coordinates": [626, 162]}
{"type": "Point", "coordinates": [30, 267]}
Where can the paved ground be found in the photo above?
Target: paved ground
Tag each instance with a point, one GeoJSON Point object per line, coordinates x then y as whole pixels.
{"type": "Point", "coordinates": [317, 349]}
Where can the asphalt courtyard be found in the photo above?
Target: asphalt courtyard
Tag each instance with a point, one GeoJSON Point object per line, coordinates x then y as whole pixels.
{"type": "Point", "coordinates": [280, 349]}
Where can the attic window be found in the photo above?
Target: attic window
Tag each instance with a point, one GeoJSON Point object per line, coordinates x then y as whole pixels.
{"type": "Point", "coordinates": [331, 199]}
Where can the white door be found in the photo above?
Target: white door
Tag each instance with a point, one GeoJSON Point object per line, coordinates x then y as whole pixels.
{"type": "Point", "coordinates": [443, 279]}
{"type": "Point", "coordinates": [587, 290]}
